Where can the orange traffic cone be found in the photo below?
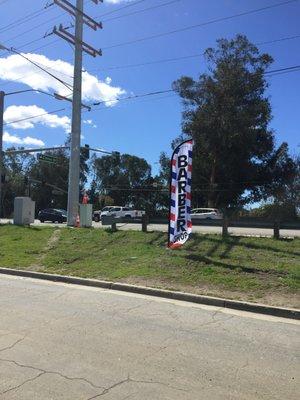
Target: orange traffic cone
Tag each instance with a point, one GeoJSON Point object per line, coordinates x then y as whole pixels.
{"type": "Point", "coordinates": [77, 224]}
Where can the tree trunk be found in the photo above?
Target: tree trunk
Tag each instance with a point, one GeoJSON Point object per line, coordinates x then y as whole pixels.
{"type": "Point", "coordinates": [225, 223]}
{"type": "Point", "coordinates": [212, 185]}
{"type": "Point", "coordinates": [145, 221]}
{"type": "Point", "coordinates": [276, 234]}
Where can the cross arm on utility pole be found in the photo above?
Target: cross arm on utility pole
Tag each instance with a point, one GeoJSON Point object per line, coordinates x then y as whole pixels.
{"type": "Point", "coordinates": [60, 97]}
{"type": "Point", "coordinates": [86, 19]}
{"type": "Point", "coordinates": [64, 34]}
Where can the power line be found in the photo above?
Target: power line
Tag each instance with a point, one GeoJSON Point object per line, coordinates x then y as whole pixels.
{"type": "Point", "coordinates": [143, 100]}
{"type": "Point", "coordinates": [199, 25]}
{"type": "Point", "coordinates": [135, 96]}
{"type": "Point", "coordinates": [286, 69]}
{"type": "Point", "coordinates": [143, 10]}
{"type": "Point", "coordinates": [32, 29]}
{"type": "Point", "coordinates": [23, 20]}
{"type": "Point", "coordinates": [121, 8]}
{"type": "Point", "coordinates": [34, 116]}
{"type": "Point", "coordinates": [278, 40]}
{"type": "Point", "coordinates": [101, 102]}
{"type": "Point", "coordinates": [143, 95]}
{"type": "Point", "coordinates": [280, 70]}
{"type": "Point", "coordinates": [41, 68]}
{"type": "Point", "coordinates": [283, 72]}
{"type": "Point", "coordinates": [149, 62]}
{"type": "Point", "coordinates": [109, 19]}
{"type": "Point", "coordinates": [149, 8]}
{"type": "Point", "coordinates": [165, 60]}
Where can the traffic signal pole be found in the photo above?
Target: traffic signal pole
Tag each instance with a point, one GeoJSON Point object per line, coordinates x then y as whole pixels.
{"type": "Point", "coordinates": [74, 165]}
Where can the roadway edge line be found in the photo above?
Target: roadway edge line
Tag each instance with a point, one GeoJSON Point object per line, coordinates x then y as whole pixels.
{"type": "Point", "coordinates": [168, 294]}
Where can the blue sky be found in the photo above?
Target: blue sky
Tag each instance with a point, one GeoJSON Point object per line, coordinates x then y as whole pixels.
{"type": "Point", "coordinates": [143, 127]}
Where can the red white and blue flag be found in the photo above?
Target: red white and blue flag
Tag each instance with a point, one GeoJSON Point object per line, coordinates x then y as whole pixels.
{"type": "Point", "coordinates": [180, 224]}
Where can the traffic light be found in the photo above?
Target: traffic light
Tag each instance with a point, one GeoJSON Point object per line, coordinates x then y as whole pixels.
{"type": "Point", "coordinates": [85, 152]}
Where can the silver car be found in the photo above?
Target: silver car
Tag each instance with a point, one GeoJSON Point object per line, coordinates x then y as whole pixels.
{"type": "Point", "coordinates": [206, 213]}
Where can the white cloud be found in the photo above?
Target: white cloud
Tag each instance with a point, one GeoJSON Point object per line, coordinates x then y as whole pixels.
{"type": "Point", "coordinates": [16, 68]}
{"type": "Point", "coordinates": [33, 141]}
{"type": "Point", "coordinates": [15, 113]}
{"type": "Point", "coordinates": [90, 123]}
{"type": "Point", "coordinates": [12, 139]}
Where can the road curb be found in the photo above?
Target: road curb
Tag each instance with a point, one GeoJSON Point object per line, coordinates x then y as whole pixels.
{"type": "Point", "coordinates": [168, 294]}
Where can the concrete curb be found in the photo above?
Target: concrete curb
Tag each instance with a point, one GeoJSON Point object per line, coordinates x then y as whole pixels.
{"type": "Point", "coordinates": [168, 294]}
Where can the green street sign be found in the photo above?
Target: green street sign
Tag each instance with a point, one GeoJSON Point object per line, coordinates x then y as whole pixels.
{"type": "Point", "coordinates": [47, 158]}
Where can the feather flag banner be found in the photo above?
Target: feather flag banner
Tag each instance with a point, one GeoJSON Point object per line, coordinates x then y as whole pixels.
{"type": "Point", "coordinates": [180, 224]}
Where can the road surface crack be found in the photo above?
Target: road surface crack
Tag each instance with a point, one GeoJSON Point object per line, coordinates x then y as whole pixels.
{"type": "Point", "coordinates": [13, 345]}
{"type": "Point", "coordinates": [43, 372]}
{"type": "Point", "coordinates": [23, 383]}
{"type": "Point", "coordinates": [128, 380]}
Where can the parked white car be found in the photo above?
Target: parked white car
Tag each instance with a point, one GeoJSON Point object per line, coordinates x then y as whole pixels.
{"type": "Point", "coordinates": [97, 214]}
{"type": "Point", "coordinates": [121, 212]}
{"type": "Point", "coordinates": [206, 213]}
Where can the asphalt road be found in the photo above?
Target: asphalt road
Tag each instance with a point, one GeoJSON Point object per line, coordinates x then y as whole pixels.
{"type": "Point", "coordinates": [200, 229]}
{"type": "Point", "coordinates": [68, 342]}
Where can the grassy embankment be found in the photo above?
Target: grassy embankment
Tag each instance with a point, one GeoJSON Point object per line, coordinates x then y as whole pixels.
{"type": "Point", "coordinates": [257, 269]}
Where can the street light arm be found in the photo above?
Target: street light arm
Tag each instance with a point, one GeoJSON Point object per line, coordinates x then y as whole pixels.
{"type": "Point", "coordinates": [34, 150]}
{"type": "Point", "coordinates": [31, 90]}
{"type": "Point", "coordinates": [101, 151]}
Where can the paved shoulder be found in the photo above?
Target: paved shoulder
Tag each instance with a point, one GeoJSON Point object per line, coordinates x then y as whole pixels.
{"type": "Point", "coordinates": [65, 342]}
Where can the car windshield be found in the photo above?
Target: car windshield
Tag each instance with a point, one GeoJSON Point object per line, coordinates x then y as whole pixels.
{"type": "Point", "coordinates": [63, 212]}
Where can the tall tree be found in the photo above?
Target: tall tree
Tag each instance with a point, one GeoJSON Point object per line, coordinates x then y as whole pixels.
{"type": "Point", "coordinates": [43, 176]}
{"type": "Point", "coordinates": [227, 113]}
{"type": "Point", "coordinates": [16, 167]}
{"type": "Point", "coordinates": [125, 178]}
{"type": "Point", "coordinates": [281, 192]}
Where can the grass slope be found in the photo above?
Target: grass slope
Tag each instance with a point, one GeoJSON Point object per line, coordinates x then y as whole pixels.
{"type": "Point", "coordinates": [237, 267]}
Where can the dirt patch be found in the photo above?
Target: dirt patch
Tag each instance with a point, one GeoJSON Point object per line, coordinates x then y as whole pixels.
{"type": "Point", "coordinates": [54, 238]}
{"type": "Point", "coordinates": [278, 299]}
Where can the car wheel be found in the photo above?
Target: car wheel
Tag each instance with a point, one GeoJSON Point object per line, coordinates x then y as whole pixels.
{"type": "Point", "coordinates": [97, 218]}
{"type": "Point", "coordinates": [42, 221]}
{"type": "Point", "coordinates": [127, 216]}
{"type": "Point", "coordinates": [208, 218]}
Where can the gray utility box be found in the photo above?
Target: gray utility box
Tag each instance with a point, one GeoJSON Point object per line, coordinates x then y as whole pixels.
{"type": "Point", "coordinates": [24, 209]}
{"type": "Point", "coordinates": [85, 215]}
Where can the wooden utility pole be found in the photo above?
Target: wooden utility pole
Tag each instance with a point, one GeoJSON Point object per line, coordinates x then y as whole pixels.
{"type": "Point", "coordinates": [80, 46]}
{"type": "Point", "coordinates": [1, 146]}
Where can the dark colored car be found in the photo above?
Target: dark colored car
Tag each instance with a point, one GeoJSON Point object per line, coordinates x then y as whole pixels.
{"type": "Point", "coordinates": [53, 215]}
